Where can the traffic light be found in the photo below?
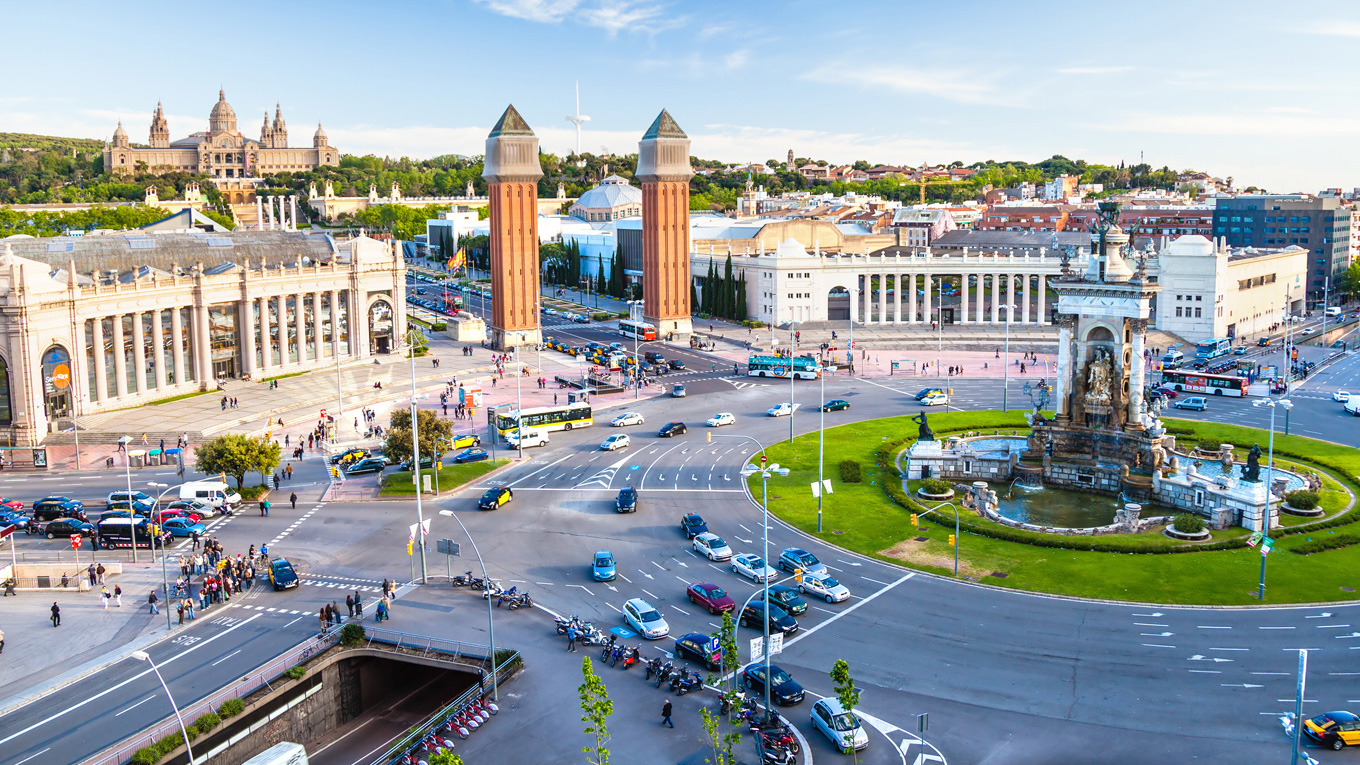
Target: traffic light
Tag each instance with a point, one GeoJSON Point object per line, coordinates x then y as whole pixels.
{"type": "Point", "coordinates": [913, 519]}
{"type": "Point", "coordinates": [951, 540]}
{"type": "Point", "coordinates": [710, 436]}
{"type": "Point", "coordinates": [410, 547]}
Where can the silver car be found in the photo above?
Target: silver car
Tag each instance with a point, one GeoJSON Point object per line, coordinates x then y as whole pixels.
{"type": "Point", "coordinates": [841, 727]}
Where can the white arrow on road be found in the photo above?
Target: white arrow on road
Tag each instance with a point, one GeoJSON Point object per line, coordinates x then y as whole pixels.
{"type": "Point", "coordinates": [612, 588]}
{"type": "Point", "coordinates": [1323, 615]}
{"type": "Point", "coordinates": [1240, 685]}
{"type": "Point", "coordinates": [1156, 634]}
{"type": "Point", "coordinates": [1347, 637]}
{"type": "Point", "coordinates": [644, 573]}
{"type": "Point", "coordinates": [1197, 657]}
{"type": "Point", "coordinates": [849, 563]}
{"type": "Point", "coordinates": [747, 541]}
{"type": "Point", "coordinates": [1155, 613]}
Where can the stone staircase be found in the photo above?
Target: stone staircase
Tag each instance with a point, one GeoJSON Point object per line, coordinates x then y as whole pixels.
{"type": "Point", "coordinates": [245, 215]}
{"type": "Point", "coordinates": [106, 438]}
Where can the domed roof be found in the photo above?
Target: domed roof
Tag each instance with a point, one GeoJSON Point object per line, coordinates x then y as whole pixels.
{"type": "Point", "coordinates": [120, 132]}
{"type": "Point", "coordinates": [1191, 244]}
{"type": "Point", "coordinates": [222, 119]}
{"type": "Point", "coordinates": [319, 134]}
{"type": "Point", "coordinates": [790, 248]}
{"type": "Point", "coordinates": [613, 192]}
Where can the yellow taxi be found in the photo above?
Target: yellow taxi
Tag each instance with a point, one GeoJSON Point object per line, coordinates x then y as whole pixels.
{"type": "Point", "coordinates": [464, 440]}
{"type": "Point", "coordinates": [1335, 729]}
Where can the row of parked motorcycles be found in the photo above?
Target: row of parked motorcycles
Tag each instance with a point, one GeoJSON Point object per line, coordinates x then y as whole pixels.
{"type": "Point", "coordinates": [460, 724]}
{"type": "Point", "coordinates": [512, 598]}
{"type": "Point", "coordinates": [678, 679]}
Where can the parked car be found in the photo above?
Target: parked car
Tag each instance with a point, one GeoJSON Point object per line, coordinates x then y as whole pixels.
{"type": "Point", "coordinates": [784, 690]}
{"type": "Point", "coordinates": [464, 440]}
{"type": "Point", "coordinates": [626, 419]}
{"type": "Point", "coordinates": [835, 405]}
{"type": "Point", "coordinates": [701, 649]}
{"type": "Point", "coordinates": [495, 497]}
{"type": "Point", "coordinates": [752, 567]}
{"type": "Point", "coordinates": [602, 566]}
{"type": "Point", "coordinates": [840, 727]}
{"type": "Point", "coordinates": [693, 525]}
{"type": "Point", "coordinates": [475, 454]}
{"type": "Point", "coordinates": [711, 597]}
{"type": "Point", "coordinates": [57, 500]}
{"type": "Point", "coordinates": [183, 527]}
{"type": "Point", "coordinates": [672, 429]}
{"type": "Point", "coordinates": [720, 419]}
{"type": "Point", "coordinates": [426, 463]}
{"type": "Point", "coordinates": [616, 441]}
{"type": "Point", "coordinates": [824, 586]}
{"type": "Point", "coordinates": [281, 574]}
{"type": "Point", "coordinates": [194, 506]}
{"type": "Point", "coordinates": [12, 504]}
{"type": "Point", "coordinates": [642, 617]}
{"type": "Point", "coordinates": [797, 558]}
{"type": "Point", "coordinates": [1194, 402]}
{"type": "Point", "coordinates": [136, 496]}
{"type": "Point", "coordinates": [627, 501]}
{"type": "Point", "coordinates": [43, 510]}
{"type": "Point", "coordinates": [711, 546]}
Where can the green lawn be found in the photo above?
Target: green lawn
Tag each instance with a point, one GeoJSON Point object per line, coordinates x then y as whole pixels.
{"type": "Point", "coordinates": [398, 483]}
{"type": "Point", "coordinates": [861, 517]}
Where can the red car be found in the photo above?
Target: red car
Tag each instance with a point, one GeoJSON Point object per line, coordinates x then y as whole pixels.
{"type": "Point", "coordinates": [1167, 391]}
{"type": "Point", "coordinates": [165, 515]}
{"type": "Point", "coordinates": [12, 504]}
{"type": "Point", "coordinates": [710, 596]}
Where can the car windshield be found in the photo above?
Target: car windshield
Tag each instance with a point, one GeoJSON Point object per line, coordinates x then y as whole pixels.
{"type": "Point", "coordinates": [649, 616]}
{"type": "Point", "coordinates": [755, 563]}
{"type": "Point", "coordinates": [780, 676]}
{"type": "Point", "coordinates": [716, 542]}
{"type": "Point", "coordinates": [845, 721]}
{"type": "Point", "coordinates": [807, 559]}
{"type": "Point", "coordinates": [604, 562]}
{"type": "Point", "coordinates": [490, 494]}
{"type": "Point", "coordinates": [829, 582]}
{"type": "Point", "coordinates": [716, 592]}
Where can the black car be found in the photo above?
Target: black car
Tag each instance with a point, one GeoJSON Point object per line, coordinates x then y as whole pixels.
{"type": "Point", "coordinates": [693, 525]}
{"type": "Point", "coordinates": [675, 363]}
{"type": "Point", "coordinates": [281, 574]}
{"type": "Point", "coordinates": [780, 621]}
{"type": "Point", "coordinates": [654, 357]}
{"type": "Point", "coordinates": [784, 690]}
{"type": "Point", "coordinates": [57, 501]}
{"type": "Point", "coordinates": [135, 506]}
{"type": "Point", "coordinates": [627, 501]}
{"type": "Point", "coordinates": [495, 497]}
{"type": "Point", "coordinates": [698, 647]}
{"type": "Point", "coordinates": [50, 511]}
{"type": "Point", "coordinates": [787, 598]}
{"type": "Point", "coordinates": [65, 527]}
{"type": "Point", "coordinates": [922, 393]}
{"type": "Point", "coordinates": [672, 429]}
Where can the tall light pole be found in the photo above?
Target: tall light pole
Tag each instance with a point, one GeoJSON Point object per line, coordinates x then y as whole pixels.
{"type": "Point", "coordinates": [165, 579]}
{"type": "Point", "coordinates": [1285, 404]}
{"type": "Point", "coordinates": [490, 623]}
{"type": "Point", "coordinates": [850, 353]}
{"type": "Point", "coordinates": [132, 519]}
{"type": "Point", "coordinates": [765, 472]}
{"type": "Point", "coordinates": [411, 334]}
{"type": "Point", "coordinates": [1006, 361]}
{"type": "Point", "coordinates": [144, 656]}
{"type": "Point", "coordinates": [792, 376]}
{"type": "Point", "coordinates": [1298, 705]}
{"type": "Point", "coordinates": [519, 409]}
{"type": "Point", "coordinates": [951, 506]}
{"type": "Point", "coordinates": [821, 444]}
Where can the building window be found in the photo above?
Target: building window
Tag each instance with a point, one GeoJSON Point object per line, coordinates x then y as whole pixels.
{"type": "Point", "coordinates": [1178, 311]}
{"type": "Point", "coordinates": [1197, 313]}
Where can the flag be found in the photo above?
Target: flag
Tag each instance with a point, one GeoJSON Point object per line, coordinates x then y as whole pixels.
{"type": "Point", "coordinates": [456, 262]}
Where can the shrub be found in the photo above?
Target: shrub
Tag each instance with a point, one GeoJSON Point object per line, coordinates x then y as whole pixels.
{"type": "Point", "coordinates": [150, 755]}
{"type": "Point", "coordinates": [1303, 499]}
{"type": "Point", "coordinates": [1332, 542]}
{"type": "Point", "coordinates": [252, 492]}
{"type": "Point", "coordinates": [203, 724]}
{"type": "Point", "coordinates": [1188, 523]}
{"type": "Point", "coordinates": [850, 472]}
{"type": "Point", "coordinates": [601, 316]}
{"type": "Point", "coordinates": [935, 486]}
{"type": "Point", "coordinates": [231, 708]}
{"type": "Point", "coordinates": [295, 673]}
{"type": "Point", "coordinates": [351, 635]}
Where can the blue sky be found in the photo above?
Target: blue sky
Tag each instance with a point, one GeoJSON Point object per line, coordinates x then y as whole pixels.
{"type": "Point", "coordinates": [1253, 90]}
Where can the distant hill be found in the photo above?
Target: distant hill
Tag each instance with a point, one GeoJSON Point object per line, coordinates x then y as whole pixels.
{"type": "Point", "coordinates": [49, 142]}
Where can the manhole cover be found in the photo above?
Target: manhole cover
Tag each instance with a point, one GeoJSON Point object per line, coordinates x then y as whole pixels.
{"type": "Point", "coordinates": [1344, 588]}
{"type": "Point", "coordinates": [923, 539]}
{"type": "Point", "coordinates": [834, 531]}
{"type": "Point", "coordinates": [999, 574]}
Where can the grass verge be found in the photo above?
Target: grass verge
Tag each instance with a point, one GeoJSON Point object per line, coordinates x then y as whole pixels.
{"type": "Point", "coordinates": [863, 518]}
{"type": "Point", "coordinates": [398, 483]}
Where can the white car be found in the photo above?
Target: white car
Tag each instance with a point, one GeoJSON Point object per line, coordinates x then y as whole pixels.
{"type": "Point", "coordinates": [752, 567]}
{"type": "Point", "coordinates": [642, 617]}
{"type": "Point", "coordinates": [935, 399]}
{"type": "Point", "coordinates": [1341, 396]}
{"type": "Point", "coordinates": [842, 728]}
{"type": "Point", "coordinates": [779, 410]}
{"type": "Point", "coordinates": [627, 418]}
{"type": "Point", "coordinates": [712, 546]}
{"type": "Point", "coordinates": [616, 441]}
{"type": "Point", "coordinates": [824, 586]}
{"type": "Point", "coordinates": [720, 419]}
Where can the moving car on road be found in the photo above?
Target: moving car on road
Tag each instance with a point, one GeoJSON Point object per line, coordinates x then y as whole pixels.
{"type": "Point", "coordinates": [720, 419]}
{"type": "Point", "coordinates": [183, 527]}
{"type": "Point", "coordinates": [602, 567]}
{"type": "Point", "coordinates": [922, 393]}
{"type": "Point", "coordinates": [627, 501]}
{"type": "Point", "coordinates": [678, 390]}
{"type": "Point", "coordinates": [65, 527]}
{"type": "Point", "coordinates": [1194, 402]}
{"type": "Point", "coordinates": [616, 441]}
{"type": "Point", "coordinates": [675, 363]}
{"type": "Point", "coordinates": [195, 507]}
{"type": "Point", "coordinates": [798, 558]}
{"type": "Point", "coordinates": [840, 727]}
{"type": "Point", "coordinates": [824, 586]}
{"type": "Point", "coordinates": [475, 454]}
{"type": "Point", "coordinates": [935, 399]}
{"type": "Point", "coordinates": [780, 621]}
{"type": "Point", "coordinates": [642, 617]}
{"type": "Point", "coordinates": [710, 596]}
{"type": "Point", "coordinates": [784, 690]}
{"type": "Point", "coordinates": [835, 405]}
{"type": "Point", "coordinates": [1341, 396]}
{"type": "Point", "coordinates": [712, 546]}
{"type": "Point", "coordinates": [349, 455]}
{"type": "Point", "coordinates": [1335, 729]}
{"type": "Point", "coordinates": [752, 567]}
{"type": "Point", "coordinates": [463, 440]}
{"type": "Point", "coordinates": [672, 429]}
{"type": "Point", "coordinates": [367, 465]}
{"type": "Point", "coordinates": [693, 525]}
{"type": "Point", "coordinates": [787, 598]}
{"type": "Point", "coordinates": [281, 574]}
{"type": "Point", "coordinates": [495, 497]}
{"type": "Point", "coordinates": [780, 410]}
{"type": "Point", "coordinates": [626, 419]}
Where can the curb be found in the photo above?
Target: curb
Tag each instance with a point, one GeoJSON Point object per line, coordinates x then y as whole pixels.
{"type": "Point", "coordinates": [91, 667]}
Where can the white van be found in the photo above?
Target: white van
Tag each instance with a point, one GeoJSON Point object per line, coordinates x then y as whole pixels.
{"type": "Point", "coordinates": [1173, 359]}
{"type": "Point", "coordinates": [1333, 311]}
{"type": "Point", "coordinates": [531, 438]}
{"type": "Point", "coordinates": [286, 753]}
{"type": "Point", "coordinates": [215, 493]}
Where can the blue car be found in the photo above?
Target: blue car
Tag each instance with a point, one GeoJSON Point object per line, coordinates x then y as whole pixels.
{"type": "Point", "coordinates": [693, 525]}
{"type": "Point", "coordinates": [181, 527]}
{"type": "Point", "coordinates": [475, 454]}
{"type": "Point", "coordinates": [602, 569]}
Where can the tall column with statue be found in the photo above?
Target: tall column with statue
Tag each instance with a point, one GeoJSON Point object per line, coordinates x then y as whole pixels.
{"type": "Point", "coordinates": [1066, 323]}
{"type": "Point", "coordinates": [1138, 328]}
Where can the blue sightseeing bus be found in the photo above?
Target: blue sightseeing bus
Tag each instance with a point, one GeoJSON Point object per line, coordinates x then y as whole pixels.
{"type": "Point", "coordinates": [1212, 349]}
{"type": "Point", "coordinates": [804, 367]}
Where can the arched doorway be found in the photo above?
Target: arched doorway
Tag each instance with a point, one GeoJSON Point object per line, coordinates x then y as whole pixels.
{"type": "Point", "coordinates": [56, 376]}
{"type": "Point", "coordinates": [380, 327]}
{"type": "Point", "coordinates": [838, 304]}
{"type": "Point", "coordinates": [6, 418]}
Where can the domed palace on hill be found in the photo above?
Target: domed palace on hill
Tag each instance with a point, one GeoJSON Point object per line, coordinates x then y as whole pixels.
{"type": "Point", "coordinates": [222, 151]}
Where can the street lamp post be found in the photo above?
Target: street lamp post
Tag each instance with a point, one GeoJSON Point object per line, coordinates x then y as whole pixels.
{"type": "Point", "coordinates": [165, 579]}
{"type": "Point", "coordinates": [127, 472]}
{"type": "Point", "coordinates": [765, 472]}
{"type": "Point", "coordinates": [1006, 360]}
{"type": "Point", "coordinates": [412, 333]}
{"type": "Point", "coordinates": [792, 376]}
{"type": "Point", "coordinates": [951, 506]}
{"type": "Point", "coordinates": [1285, 404]}
{"type": "Point", "coordinates": [821, 444]}
{"type": "Point", "coordinates": [519, 409]}
{"type": "Point", "coordinates": [490, 623]}
{"type": "Point", "coordinates": [144, 656]}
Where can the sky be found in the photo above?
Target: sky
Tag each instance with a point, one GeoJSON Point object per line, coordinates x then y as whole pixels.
{"type": "Point", "coordinates": [1248, 90]}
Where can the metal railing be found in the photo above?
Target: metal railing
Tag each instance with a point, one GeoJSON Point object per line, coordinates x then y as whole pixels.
{"type": "Point", "coordinates": [262, 677]}
{"type": "Point", "coordinates": [415, 737]}
{"type": "Point", "coordinates": [425, 644]}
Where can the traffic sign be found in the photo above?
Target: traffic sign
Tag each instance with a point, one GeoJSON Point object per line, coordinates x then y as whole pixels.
{"type": "Point", "coordinates": [1267, 544]}
{"type": "Point", "coordinates": [1255, 539]}
{"type": "Point", "coordinates": [323, 414]}
{"type": "Point", "coordinates": [75, 541]}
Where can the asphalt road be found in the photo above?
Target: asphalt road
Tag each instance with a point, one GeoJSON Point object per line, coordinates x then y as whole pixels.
{"type": "Point", "coordinates": [1006, 677]}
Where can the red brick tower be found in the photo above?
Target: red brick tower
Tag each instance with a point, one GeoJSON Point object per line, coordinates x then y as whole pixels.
{"type": "Point", "coordinates": [512, 171]}
{"type": "Point", "coordinates": [664, 169]}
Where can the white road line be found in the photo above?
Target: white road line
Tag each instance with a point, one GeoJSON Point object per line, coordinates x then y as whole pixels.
{"type": "Point", "coordinates": [544, 584]}
{"type": "Point", "coordinates": [611, 605]}
{"type": "Point", "coordinates": [626, 579]}
{"type": "Point", "coordinates": [1201, 627]}
{"type": "Point", "coordinates": [1205, 671]}
{"type": "Point", "coordinates": [1291, 701]}
{"type": "Point", "coordinates": [1145, 624]}
{"type": "Point", "coordinates": [134, 706]}
{"type": "Point", "coordinates": [31, 756]}
{"type": "Point", "coordinates": [678, 608]}
{"type": "Point", "coordinates": [1275, 628]}
{"type": "Point", "coordinates": [681, 578]}
{"type": "Point", "coordinates": [1158, 645]}
{"type": "Point", "coordinates": [1272, 674]}
{"type": "Point", "coordinates": [846, 612]}
{"type": "Point", "coordinates": [823, 610]}
{"type": "Point", "coordinates": [289, 624]}
{"type": "Point", "coordinates": [224, 658]}
{"type": "Point", "coordinates": [650, 595]}
{"type": "Point", "coordinates": [1331, 626]}
{"type": "Point", "coordinates": [875, 581]}
{"type": "Point", "coordinates": [1340, 674]}
{"type": "Point", "coordinates": [1229, 649]}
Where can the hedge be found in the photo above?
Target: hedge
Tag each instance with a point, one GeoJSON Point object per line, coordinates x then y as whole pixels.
{"type": "Point", "coordinates": [1188, 523]}
{"type": "Point", "coordinates": [295, 673]}
{"type": "Point", "coordinates": [231, 708]}
{"type": "Point", "coordinates": [1303, 499]}
{"type": "Point", "coordinates": [351, 635]}
{"type": "Point", "coordinates": [1334, 542]}
{"type": "Point", "coordinates": [850, 472]}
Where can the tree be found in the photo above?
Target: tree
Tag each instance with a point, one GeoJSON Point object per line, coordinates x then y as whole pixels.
{"type": "Point", "coordinates": [729, 286]}
{"type": "Point", "coordinates": [235, 455]}
{"type": "Point", "coordinates": [600, 282]}
{"type": "Point", "coordinates": [1348, 284]}
{"type": "Point", "coordinates": [397, 446]}
{"type": "Point", "coordinates": [730, 662]}
{"type": "Point", "coordinates": [444, 757]}
{"type": "Point", "coordinates": [720, 743]}
{"type": "Point", "coordinates": [596, 707]}
{"type": "Point", "coordinates": [846, 692]}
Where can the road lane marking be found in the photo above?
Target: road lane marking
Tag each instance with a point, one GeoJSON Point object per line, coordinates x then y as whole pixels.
{"type": "Point", "coordinates": [134, 706]}
{"type": "Point", "coordinates": [875, 581]}
{"type": "Point", "coordinates": [1272, 674]}
{"type": "Point", "coordinates": [846, 612]}
{"type": "Point", "coordinates": [1205, 671]}
{"type": "Point", "coordinates": [1276, 628]}
{"type": "Point", "coordinates": [233, 653]}
{"type": "Point", "coordinates": [1158, 645]}
{"type": "Point", "coordinates": [31, 756]}
{"type": "Point", "coordinates": [650, 595]}
{"type": "Point", "coordinates": [1229, 649]}
{"type": "Point", "coordinates": [1331, 626]}
{"type": "Point", "coordinates": [1144, 624]}
{"type": "Point", "coordinates": [1202, 627]}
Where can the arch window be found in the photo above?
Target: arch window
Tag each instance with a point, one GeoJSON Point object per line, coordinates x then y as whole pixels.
{"type": "Point", "coordinates": [381, 327]}
{"type": "Point", "coordinates": [56, 377]}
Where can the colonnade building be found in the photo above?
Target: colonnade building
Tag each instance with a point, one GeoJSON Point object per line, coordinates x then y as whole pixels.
{"type": "Point", "coordinates": [116, 320]}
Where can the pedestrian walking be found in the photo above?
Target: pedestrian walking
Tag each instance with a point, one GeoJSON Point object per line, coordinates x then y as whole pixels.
{"type": "Point", "coordinates": [104, 596]}
{"type": "Point", "coordinates": [56, 614]}
{"type": "Point", "coordinates": [276, 482]}
{"type": "Point", "coordinates": [118, 594]}
{"type": "Point", "coordinates": [324, 621]}
{"type": "Point", "coordinates": [93, 576]}
{"type": "Point", "coordinates": [349, 604]}
{"type": "Point", "coordinates": [194, 535]}
{"type": "Point", "coordinates": [288, 471]}
{"type": "Point", "coordinates": [292, 497]}
{"type": "Point", "coordinates": [152, 602]}
{"type": "Point", "coordinates": [571, 639]}
{"type": "Point", "coordinates": [358, 604]}
{"type": "Point", "coordinates": [666, 714]}
{"type": "Point", "coordinates": [100, 571]}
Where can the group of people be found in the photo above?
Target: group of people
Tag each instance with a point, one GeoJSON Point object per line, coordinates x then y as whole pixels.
{"type": "Point", "coordinates": [221, 577]}
{"type": "Point", "coordinates": [228, 402]}
{"type": "Point", "coordinates": [329, 615]}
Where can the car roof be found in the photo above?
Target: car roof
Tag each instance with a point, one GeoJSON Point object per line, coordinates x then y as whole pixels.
{"type": "Point", "coordinates": [598, 553]}
{"type": "Point", "coordinates": [830, 704]}
{"type": "Point", "coordinates": [1342, 717]}
{"type": "Point", "coordinates": [639, 604]}
{"type": "Point", "coordinates": [698, 637]}
{"type": "Point", "coordinates": [708, 536]}
{"type": "Point", "coordinates": [795, 551]}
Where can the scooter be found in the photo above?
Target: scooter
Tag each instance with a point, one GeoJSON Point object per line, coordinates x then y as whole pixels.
{"type": "Point", "coordinates": [631, 657]}
{"type": "Point", "coordinates": [522, 601]}
{"type": "Point", "coordinates": [608, 649]}
{"type": "Point", "coordinates": [614, 655]}
{"type": "Point", "coordinates": [509, 594]}
{"type": "Point", "coordinates": [686, 683]}
{"type": "Point", "coordinates": [663, 672]}
{"type": "Point", "coordinates": [653, 666]}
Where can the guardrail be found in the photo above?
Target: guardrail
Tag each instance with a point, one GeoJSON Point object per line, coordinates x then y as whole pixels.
{"type": "Point", "coordinates": [425, 644]}
{"type": "Point", "coordinates": [123, 750]}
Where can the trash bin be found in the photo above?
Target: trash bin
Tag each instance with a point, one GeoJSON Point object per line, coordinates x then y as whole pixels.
{"type": "Point", "coordinates": [153, 457]}
{"type": "Point", "coordinates": [137, 458]}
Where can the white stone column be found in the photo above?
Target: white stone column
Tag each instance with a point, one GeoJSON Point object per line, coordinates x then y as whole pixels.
{"type": "Point", "coordinates": [259, 214]}
{"type": "Point", "coordinates": [292, 216]}
{"type": "Point", "coordinates": [996, 298]}
{"type": "Point", "coordinates": [266, 338]}
{"type": "Point", "coordinates": [897, 298]}
{"type": "Point", "coordinates": [854, 301]}
{"type": "Point", "coordinates": [282, 316]}
{"type": "Point", "coordinates": [318, 345]}
{"type": "Point", "coordinates": [963, 299]}
{"type": "Point", "coordinates": [927, 287]}
{"type": "Point", "coordinates": [1135, 410]}
{"type": "Point", "coordinates": [1064, 365]}
{"type": "Point", "coordinates": [980, 297]}
{"type": "Point", "coordinates": [101, 380]}
{"type": "Point", "coordinates": [300, 320]}
{"type": "Point", "coordinates": [911, 299]}
{"type": "Point", "coordinates": [1024, 299]}
{"type": "Point", "coordinates": [335, 321]}
{"type": "Point", "coordinates": [1043, 300]}
{"type": "Point", "coordinates": [139, 351]}
{"type": "Point", "coordinates": [245, 317]}
{"type": "Point", "coordinates": [119, 357]}
{"type": "Point", "coordinates": [201, 336]}
{"type": "Point", "coordinates": [868, 298]}
{"type": "Point", "coordinates": [158, 346]}
{"type": "Point", "coordinates": [177, 337]}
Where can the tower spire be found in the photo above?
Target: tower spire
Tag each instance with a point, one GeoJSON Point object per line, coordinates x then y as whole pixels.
{"type": "Point", "coordinates": [578, 119]}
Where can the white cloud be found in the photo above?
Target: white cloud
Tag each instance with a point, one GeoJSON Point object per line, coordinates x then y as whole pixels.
{"type": "Point", "coordinates": [963, 87]}
{"type": "Point", "coordinates": [1095, 69]}
{"type": "Point", "coordinates": [613, 17]}
{"type": "Point", "coordinates": [736, 59]}
{"type": "Point", "coordinates": [1285, 123]}
{"type": "Point", "coordinates": [545, 11]}
{"type": "Point", "coordinates": [1332, 28]}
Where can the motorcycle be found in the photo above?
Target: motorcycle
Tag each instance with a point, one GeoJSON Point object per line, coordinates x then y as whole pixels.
{"type": "Point", "coordinates": [662, 671]}
{"type": "Point", "coordinates": [668, 675]}
{"type": "Point", "coordinates": [509, 594]}
{"type": "Point", "coordinates": [631, 657]}
{"type": "Point", "coordinates": [563, 624]}
{"type": "Point", "coordinates": [492, 589]}
{"type": "Point", "coordinates": [653, 666]}
{"type": "Point", "coordinates": [686, 682]}
{"type": "Point", "coordinates": [521, 601]}
{"type": "Point", "coordinates": [726, 706]}
{"type": "Point", "coordinates": [461, 580]}
{"type": "Point", "coordinates": [608, 649]}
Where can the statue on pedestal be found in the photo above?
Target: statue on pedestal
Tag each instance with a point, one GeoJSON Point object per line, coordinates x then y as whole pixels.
{"type": "Point", "coordinates": [1099, 372]}
{"type": "Point", "coordinates": [925, 433]}
{"type": "Point", "coordinates": [1252, 470]}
